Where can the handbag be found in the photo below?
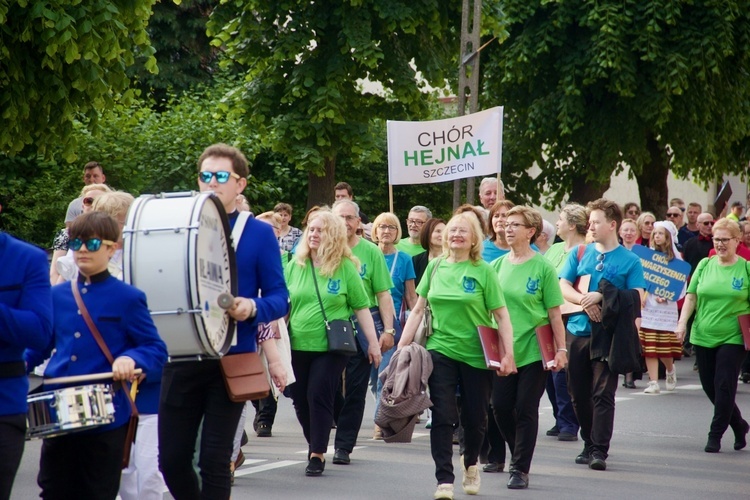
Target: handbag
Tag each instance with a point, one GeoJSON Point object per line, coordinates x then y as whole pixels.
{"type": "Point", "coordinates": [340, 332]}
{"type": "Point", "coordinates": [244, 377]}
{"type": "Point", "coordinates": [133, 422]}
{"type": "Point", "coordinates": [424, 329]}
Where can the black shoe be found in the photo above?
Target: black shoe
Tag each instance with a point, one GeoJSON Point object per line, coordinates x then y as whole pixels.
{"type": "Point", "coordinates": [567, 436]}
{"type": "Point", "coordinates": [341, 457]}
{"type": "Point", "coordinates": [493, 467]}
{"type": "Point", "coordinates": [518, 480]}
{"type": "Point", "coordinates": [745, 377]}
{"type": "Point", "coordinates": [315, 467]}
{"type": "Point", "coordinates": [554, 431]}
{"type": "Point", "coordinates": [598, 462]}
{"type": "Point", "coordinates": [584, 457]}
{"type": "Point", "coordinates": [713, 445]}
{"type": "Point", "coordinates": [263, 431]}
{"type": "Point", "coordinates": [243, 439]}
{"type": "Point", "coordinates": [740, 440]}
{"type": "Point", "coordinates": [629, 384]}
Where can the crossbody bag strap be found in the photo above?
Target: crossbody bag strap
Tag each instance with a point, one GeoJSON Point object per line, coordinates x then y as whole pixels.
{"type": "Point", "coordinates": [317, 292]}
{"type": "Point", "coordinates": [98, 337]}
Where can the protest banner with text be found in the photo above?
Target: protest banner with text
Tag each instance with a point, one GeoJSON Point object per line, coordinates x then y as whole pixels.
{"type": "Point", "coordinates": [664, 278]}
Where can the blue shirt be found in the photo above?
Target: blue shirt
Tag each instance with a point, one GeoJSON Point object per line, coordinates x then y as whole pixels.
{"type": "Point", "coordinates": [490, 251]}
{"type": "Point", "coordinates": [621, 267]}
{"type": "Point", "coordinates": [400, 274]}
{"type": "Point", "coordinates": [25, 314]}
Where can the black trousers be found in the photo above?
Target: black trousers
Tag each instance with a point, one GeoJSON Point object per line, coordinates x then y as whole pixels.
{"type": "Point", "coordinates": [76, 466]}
{"type": "Point", "coordinates": [265, 411]}
{"type": "Point", "coordinates": [193, 392]}
{"type": "Point", "coordinates": [12, 441]}
{"type": "Point", "coordinates": [349, 419]}
{"type": "Point", "coordinates": [493, 447]}
{"type": "Point", "coordinates": [475, 386]}
{"type": "Point", "coordinates": [718, 369]}
{"type": "Point", "coordinates": [592, 388]}
{"type": "Point", "coordinates": [318, 375]}
{"type": "Point", "coordinates": [515, 403]}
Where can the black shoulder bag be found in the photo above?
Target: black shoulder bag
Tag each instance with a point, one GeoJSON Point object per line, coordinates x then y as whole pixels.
{"type": "Point", "coordinates": [340, 332]}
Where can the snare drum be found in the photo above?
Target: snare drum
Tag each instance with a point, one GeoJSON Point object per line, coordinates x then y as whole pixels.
{"type": "Point", "coordinates": [67, 410]}
{"type": "Point", "coordinates": [176, 248]}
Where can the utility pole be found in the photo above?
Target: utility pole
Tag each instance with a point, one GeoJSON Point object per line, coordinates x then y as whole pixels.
{"type": "Point", "coordinates": [468, 78]}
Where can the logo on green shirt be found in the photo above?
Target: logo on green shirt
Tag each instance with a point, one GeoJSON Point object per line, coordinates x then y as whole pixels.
{"type": "Point", "coordinates": [363, 271]}
{"type": "Point", "coordinates": [737, 283]}
{"type": "Point", "coordinates": [469, 284]}
{"type": "Point", "coordinates": [334, 286]}
{"type": "Point", "coordinates": [532, 285]}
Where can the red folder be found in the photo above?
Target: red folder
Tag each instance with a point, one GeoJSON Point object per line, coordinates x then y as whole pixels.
{"type": "Point", "coordinates": [491, 345]}
{"type": "Point", "coordinates": [546, 345]}
{"type": "Point", "coordinates": [581, 286]}
{"type": "Point", "coordinates": [745, 327]}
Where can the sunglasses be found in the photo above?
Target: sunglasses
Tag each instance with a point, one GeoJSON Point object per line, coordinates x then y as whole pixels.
{"type": "Point", "coordinates": [708, 223]}
{"type": "Point", "coordinates": [88, 201]}
{"type": "Point", "coordinates": [222, 176]}
{"type": "Point", "coordinates": [92, 244]}
{"type": "Point", "coordinates": [673, 214]}
{"type": "Point", "coordinates": [600, 266]}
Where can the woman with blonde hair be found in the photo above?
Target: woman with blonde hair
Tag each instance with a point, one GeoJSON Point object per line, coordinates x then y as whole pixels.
{"type": "Point", "coordinates": [628, 233]}
{"type": "Point", "coordinates": [660, 344]}
{"type": "Point", "coordinates": [718, 293]}
{"type": "Point", "coordinates": [645, 223]}
{"type": "Point", "coordinates": [324, 263]}
{"type": "Point", "coordinates": [463, 293]}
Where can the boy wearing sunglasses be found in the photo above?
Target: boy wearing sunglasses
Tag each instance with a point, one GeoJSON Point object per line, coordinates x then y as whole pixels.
{"type": "Point", "coordinates": [591, 383]}
{"type": "Point", "coordinates": [87, 464]}
{"type": "Point", "coordinates": [194, 391]}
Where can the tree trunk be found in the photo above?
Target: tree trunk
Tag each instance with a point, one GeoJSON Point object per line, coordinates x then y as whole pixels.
{"type": "Point", "coordinates": [585, 190]}
{"type": "Point", "coordinates": [652, 180]}
{"type": "Point", "coordinates": [320, 188]}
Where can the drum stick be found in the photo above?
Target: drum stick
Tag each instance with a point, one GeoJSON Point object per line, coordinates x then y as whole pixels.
{"type": "Point", "coordinates": [84, 378]}
{"type": "Point", "coordinates": [225, 300]}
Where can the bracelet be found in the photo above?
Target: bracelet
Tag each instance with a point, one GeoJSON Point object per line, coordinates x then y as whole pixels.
{"type": "Point", "coordinates": [562, 349]}
{"type": "Point", "coordinates": [390, 331]}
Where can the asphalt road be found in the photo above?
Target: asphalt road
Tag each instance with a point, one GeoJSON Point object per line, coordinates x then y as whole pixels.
{"type": "Point", "coordinates": [657, 452]}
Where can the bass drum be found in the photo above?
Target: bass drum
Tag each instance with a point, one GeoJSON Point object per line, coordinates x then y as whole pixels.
{"type": "Point", "coordinates": [177, 249]}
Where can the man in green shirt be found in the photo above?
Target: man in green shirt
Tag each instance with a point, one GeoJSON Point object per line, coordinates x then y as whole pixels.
{"type": "Point", "coordinates": [378, 283]}
{"type": "Point", "coordinates": [418, 215]}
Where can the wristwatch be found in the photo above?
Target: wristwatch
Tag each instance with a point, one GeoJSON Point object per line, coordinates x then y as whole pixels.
{"type": "Point", "coordinates": [390, 331]}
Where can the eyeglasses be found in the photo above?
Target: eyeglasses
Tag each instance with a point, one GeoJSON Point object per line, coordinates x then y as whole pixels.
{"type": "Point", "coordinates": [387, 227]}
{"type": "Point", "coordinates": [600, 266]}
{"type": "Point", "coordinates": [222, 176]}
{"type": "Point", "coordinates": [461, 232]}
{"type": "Point", "coordinates": [92, 244]}
{"type": "Point", "coordinates": [723, 241]}
{"type": "Point", "coordinates": [672, 214]}
{"type": "Point", "coordinates": [708, 223]}
{"type": "Point", "coordinates": [349, 218]}
{"type": "Point", "coordinates": [88, 201]}
{"type": "Point", "coordinates": [415, 222]}
{"type": "Point", "coordinates": [514, 225]}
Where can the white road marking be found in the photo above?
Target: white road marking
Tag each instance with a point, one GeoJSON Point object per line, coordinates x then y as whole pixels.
{"type": "Point", "coordinates": [244, 471]}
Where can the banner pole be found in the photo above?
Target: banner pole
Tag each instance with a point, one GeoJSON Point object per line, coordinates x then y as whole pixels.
{"type": "Point", "coordinates": [390, 197]}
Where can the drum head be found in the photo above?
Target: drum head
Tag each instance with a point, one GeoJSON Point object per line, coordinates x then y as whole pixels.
{"type": "Point", "coordinates": [213, 272]}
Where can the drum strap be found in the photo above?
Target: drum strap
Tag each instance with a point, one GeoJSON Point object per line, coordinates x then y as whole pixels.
{"type": "Point", "coordinates": [99, 340]}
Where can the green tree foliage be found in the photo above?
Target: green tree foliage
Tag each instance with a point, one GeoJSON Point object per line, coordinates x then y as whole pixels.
{"type": "Point", "coordinates": [62, 59]}
{"type": "Point", "coordinates": [304, 64]}
{"type": "Point", "coordinates": [592, 86]}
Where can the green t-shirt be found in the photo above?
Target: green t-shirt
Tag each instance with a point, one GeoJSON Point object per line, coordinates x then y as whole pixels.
{"type": "Point", "coordinates": [462, 296]}
{"type": "Point", "coordinates": [556, 255]}
{"type": "Point", "coordinates": [722, 295]}
{"type": "Point", "coordinates": [340, 294]}
{"type": "Point", "coordinates": [373, 270]}
{"type": "Point", "coordinates": [530, 289]}
{"type": "Point", "coordinates": [405, 245]}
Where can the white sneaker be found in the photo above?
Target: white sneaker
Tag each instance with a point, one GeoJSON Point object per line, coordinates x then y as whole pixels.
{"type": "Point", "coordinates": [672, 380]}
{"type": "Point", "coordinates": [444, 491]}
{"type": "Point", "coordinates": [471, 480]}
{"type": "Point", "coordinates": [653, 387]}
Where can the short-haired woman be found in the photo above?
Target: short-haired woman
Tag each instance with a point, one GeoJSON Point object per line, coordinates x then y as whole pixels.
{"type": "Point", "coordinates": [532, 293]}
{"type": "Point", "coordinates": [628, 233]}
{"type": "Point", "coordinates": [495, 246]}
{"type": "Point", "coordinates": [288, 235]}
{"type": "Point", "coordinates": [645, 225]}
{"type": "Point", "coordinates": [87, 464]}
{"type": "Point", "coordinates": [431, 239]}
{"type": "Point", "coordinates": [464, 293]}
{"type": "Point", "coordinates": [324, 259]}
{"type": "Point", "coordinates": [718, 293]}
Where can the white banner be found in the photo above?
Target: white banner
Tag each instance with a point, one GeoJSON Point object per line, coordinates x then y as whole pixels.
{"type": "Point", "coordinates": [445, 150]}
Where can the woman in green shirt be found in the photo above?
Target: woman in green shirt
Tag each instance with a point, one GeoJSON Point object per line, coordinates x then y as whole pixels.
{"type": "Point", "coordinates": [318, 372]}
{"type": "Point", "coordinates": [718, 292]}
{"type": "Point", "coordinates": [532, 292]}
{"type": "Point", "coordinates": [463, 294]}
